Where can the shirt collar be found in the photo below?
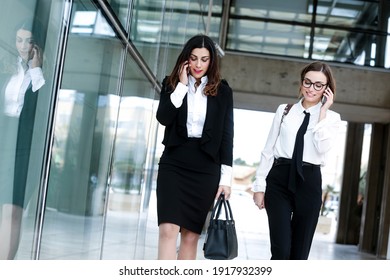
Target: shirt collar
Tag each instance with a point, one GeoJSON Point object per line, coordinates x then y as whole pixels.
{"type": "Point", "coordinates": [203, 80]}
{"type": "Point", "coordinates": [24, 65]}
{"type": "Point", "coordinates": [312, 110]}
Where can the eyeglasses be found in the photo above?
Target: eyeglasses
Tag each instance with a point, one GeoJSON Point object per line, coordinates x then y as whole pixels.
{"type": "Point", "coordinates": [317, 85]}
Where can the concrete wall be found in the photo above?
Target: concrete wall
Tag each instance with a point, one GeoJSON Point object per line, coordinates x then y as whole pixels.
{"type": "Point", "coordinates": [259, 83]}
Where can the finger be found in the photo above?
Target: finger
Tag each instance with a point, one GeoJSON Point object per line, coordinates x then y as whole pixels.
{"type": "Point", "coordinates": [226, 193]}
{"type": "Point", "coordinates": [36, 53]}
{"type": "Point", "coordinates": [218, 194]}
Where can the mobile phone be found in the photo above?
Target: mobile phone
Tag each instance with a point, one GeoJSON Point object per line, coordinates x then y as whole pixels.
{"type": "Point", "coordinates": [323, 100]}
{"type": "Point", "coordinates": [31, 54]}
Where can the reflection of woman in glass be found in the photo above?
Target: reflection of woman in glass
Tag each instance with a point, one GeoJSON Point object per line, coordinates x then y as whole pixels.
{"type": "Point", "coordinates": [20, 79]}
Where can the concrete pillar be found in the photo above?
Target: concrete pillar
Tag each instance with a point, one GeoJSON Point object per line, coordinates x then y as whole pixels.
{"type": "Point", "coordinates": [348, 220]}
{"type": "Point", "coordinates": [375, 223]}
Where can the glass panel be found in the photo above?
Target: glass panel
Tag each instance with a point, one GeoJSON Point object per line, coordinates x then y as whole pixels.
{"type": "Point", "coordinates": [347, 13]}
{"type": "Point", "coordinates": [343, 46]}
{"type": "Point", "coordinates": [271, 9]}
{"type": "Point", "coordinates": [27, 58]}
{"type": "Point", "coordinates": [121, 9]}
{"type": "Point", "coordinates": [85, 124]}
{"type": "Point", "coordinates": [146, 29]}
{"type": "Point", "coordinates": [346, 30]}
{"type": "Point", "coordinates": [130, 168]}
{"type": "Point", "coordinates": [171, 22]}
{"type": "Point", "coordinates": [267, 38]}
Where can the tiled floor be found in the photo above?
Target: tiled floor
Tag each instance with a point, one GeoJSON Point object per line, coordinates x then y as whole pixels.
{"type": "Point", "coordinates": [70, 237]}
{"type": "Point", "coordinates": [252, 231]}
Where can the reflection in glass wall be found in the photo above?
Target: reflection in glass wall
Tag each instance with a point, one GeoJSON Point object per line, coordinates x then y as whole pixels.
{"type": "Point", "coordinates": [130, 168]}
{"type": "Point", "coordinates": [128, 183]}
{"type": "Point", "coordinates": [26, 77]}
{"type": "Point", "coordinates": [158, 27]}
{"type": "Point", "coordinates": [99, 164]}
{"type": "Point", "coordinates": [122, 9]}
{"type": "Point", "coordinates": [345, 31]}
{"type": "Point", "coordinates": [85, 125]}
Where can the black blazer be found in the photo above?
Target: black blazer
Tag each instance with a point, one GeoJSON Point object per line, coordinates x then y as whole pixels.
{"type": "Point", "coordinates": [217, 135]}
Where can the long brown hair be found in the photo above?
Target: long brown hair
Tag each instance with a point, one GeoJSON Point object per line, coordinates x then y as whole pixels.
{"type": "Point", "coordinates": [320, 66]}
{"type": "Point", "coordinates": [8, 63]}
{"type": "Point", "coordinates": [213, 74]}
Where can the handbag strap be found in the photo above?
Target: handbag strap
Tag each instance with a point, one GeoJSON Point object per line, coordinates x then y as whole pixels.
{"type": "Point", "coordinates": [230, 210]}
{"type": "Point", "coordinates": [217, 208]}
{"type": "Point", "coordinates": [222, 202]}
{"type": "Point", "coordinates": [285, 112]}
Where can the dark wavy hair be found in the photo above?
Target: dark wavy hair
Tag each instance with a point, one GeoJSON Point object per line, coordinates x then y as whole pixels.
{"type": "Point", "coordinates": [8, 63]}
{"type": "Point", "coordinates": [213, 73]}
{"type": "Point", "coordinates": [320, 66]}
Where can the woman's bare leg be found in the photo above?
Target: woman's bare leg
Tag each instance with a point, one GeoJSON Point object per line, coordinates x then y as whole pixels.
{"type": "Point", "coordinates": [188, 245]}
{"type": "Point", "coordinates": [167, 239]}
{"type": "Point", "coordinates": [10, 226]}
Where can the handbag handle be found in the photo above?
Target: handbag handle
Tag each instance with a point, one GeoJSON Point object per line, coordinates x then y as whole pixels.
{"type": "Point", "coordinates": [218, 206]}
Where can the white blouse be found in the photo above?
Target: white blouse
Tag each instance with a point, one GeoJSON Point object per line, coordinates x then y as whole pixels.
{"type": "Point", "coordinates": [17, 86]}
{"type": "Point", "coordinates": [197, 107]}
{"type": "Point", "coordinates": [318, 140]}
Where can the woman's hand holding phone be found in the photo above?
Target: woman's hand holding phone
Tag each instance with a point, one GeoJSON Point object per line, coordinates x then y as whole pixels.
{"type": "Point", "coordinates": [36, 56]}
{"type": "Point", "coordinates": [327, 98]}
{"type": "Point", "coordinates": [183, 74]}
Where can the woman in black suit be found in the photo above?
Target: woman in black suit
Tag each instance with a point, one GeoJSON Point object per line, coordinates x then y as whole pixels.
{"type": "Point", "coordinates": [21, 78]}
{"type": "Point", "coordinates": [196, 108]}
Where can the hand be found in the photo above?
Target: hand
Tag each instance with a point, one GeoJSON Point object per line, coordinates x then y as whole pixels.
{"type": "Point", "coordinates": [329, 98]}
{"type": "Point", "coordinates": [36, 57]}
{"type": "Point", "coordinates": [183, 73]}
{"type": "Point", "coordinates": [226, 190]}
{"type": "Point", "coordinates": [258, 198]}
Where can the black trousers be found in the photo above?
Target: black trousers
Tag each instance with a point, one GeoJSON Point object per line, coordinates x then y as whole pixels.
{"type": "Point", "coordinates": [292, 217]}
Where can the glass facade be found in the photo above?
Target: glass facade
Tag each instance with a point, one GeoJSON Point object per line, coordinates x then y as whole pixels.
{"type": "Point", "coordinates": [79, 84]}
{"type": "Point", "coordinates": [342, 31]}
{"type": "Point", "coordinates": [98, 158]}
{"type": "Point", "coordinates": [92, 156]}
{"type": "Point", "coordinates": [29, 54]}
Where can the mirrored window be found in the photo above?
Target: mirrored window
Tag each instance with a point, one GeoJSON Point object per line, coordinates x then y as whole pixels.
{"type": "Point", "coordinates": [158, 27]}
{"type": "Point", "coordinates": [342, 31]}
{"type": "Point", "coordinates": [27, 59]}
{"type": "Point", "coordinates": [129, 186]}
{"type": "Point", "coordinates": [85, 125]}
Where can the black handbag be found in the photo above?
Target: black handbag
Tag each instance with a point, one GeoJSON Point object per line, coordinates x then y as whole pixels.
{"type": "Point", "coordinates": [221, 237]}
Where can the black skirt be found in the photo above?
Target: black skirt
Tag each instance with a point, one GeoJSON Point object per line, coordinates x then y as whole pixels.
{"type": "Point", "coordinates": [187, 183]}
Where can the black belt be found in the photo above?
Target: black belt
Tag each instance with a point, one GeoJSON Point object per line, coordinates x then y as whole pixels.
{"type": "Point", "coordinates": [285, 161]}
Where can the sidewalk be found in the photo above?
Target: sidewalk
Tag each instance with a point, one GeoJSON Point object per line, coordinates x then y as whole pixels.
{"type": "Point", "coordinates": [252, 232]}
